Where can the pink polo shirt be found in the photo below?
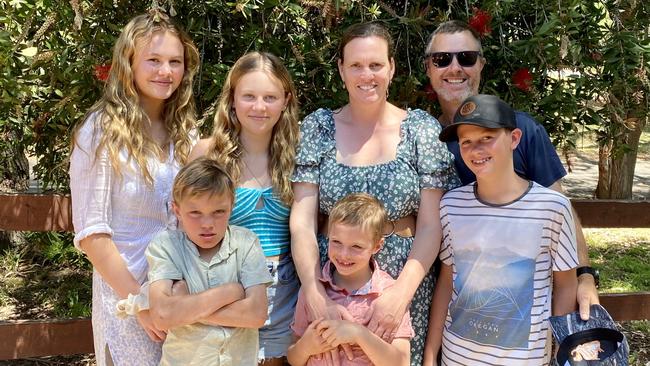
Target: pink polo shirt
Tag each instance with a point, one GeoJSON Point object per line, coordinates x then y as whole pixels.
{"type": "Point", "coordinates": [357, 303]}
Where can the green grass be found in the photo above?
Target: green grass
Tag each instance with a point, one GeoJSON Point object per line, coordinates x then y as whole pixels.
{"type": "Point", "coordinates": [10, 260]}
{"type": "Point", "coordinates": [638, 334]}
{"type": "Point", "coordinates": [44, 277]}
{"type": "Point", "coordinates": [622, 257]}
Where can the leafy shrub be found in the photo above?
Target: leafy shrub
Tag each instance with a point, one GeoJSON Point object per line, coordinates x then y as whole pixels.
{"type": "Point", "coordinates": [571, 63]}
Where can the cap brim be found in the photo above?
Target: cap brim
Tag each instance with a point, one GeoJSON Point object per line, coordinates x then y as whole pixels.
{"type": "Point", "coordinates": [449, 133]}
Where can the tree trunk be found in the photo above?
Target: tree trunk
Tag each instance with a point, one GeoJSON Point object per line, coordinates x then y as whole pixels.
{"type": "Point", "coordinates": [616, 168]}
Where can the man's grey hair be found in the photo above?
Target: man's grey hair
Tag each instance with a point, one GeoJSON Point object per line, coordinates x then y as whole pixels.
{"type": "Point", "coordinates": [451, 27]}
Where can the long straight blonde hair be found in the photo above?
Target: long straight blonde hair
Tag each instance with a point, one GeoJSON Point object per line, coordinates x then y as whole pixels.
{"type": "Point", "coordinates": [227, 148]}
{"type": "Point", "coordinates": [121, 118]}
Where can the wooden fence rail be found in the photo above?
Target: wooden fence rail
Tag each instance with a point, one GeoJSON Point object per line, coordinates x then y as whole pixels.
{"type": "Point", "coordinates": [36, 212]}
{"type": "Point", "coordinates": [34, 338]}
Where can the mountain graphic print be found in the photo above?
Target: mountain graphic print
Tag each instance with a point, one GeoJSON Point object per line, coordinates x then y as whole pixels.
{"type": "Point", "coordinates": [495, 286]}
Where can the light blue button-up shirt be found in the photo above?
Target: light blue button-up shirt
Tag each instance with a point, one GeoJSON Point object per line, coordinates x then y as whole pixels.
{"type": "Point", "coordinates": [172, 256]}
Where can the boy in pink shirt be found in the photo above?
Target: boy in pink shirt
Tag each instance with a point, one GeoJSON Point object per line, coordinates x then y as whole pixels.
{"type": "Point", "coordinates": [352, 279]}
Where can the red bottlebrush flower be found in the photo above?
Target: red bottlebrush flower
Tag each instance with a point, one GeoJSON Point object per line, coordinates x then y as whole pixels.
{"type": "Point", "coordinates": [101, 71]}
{"type": "Point", "coordinates": [522, 79]}
{"type": "Point", "coordinates": [596, 56]}
{"type": "Point", "coordinates": [480, 22]}
{"type": "Point", "coordinates": [430, 93]}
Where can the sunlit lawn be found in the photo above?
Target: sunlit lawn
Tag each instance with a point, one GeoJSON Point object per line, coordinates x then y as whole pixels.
{"type": "Point", "coordinates": [623, 258]}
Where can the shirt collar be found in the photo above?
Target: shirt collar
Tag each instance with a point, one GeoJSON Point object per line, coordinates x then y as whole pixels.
{"type": "Point", "coordinates": [371, 287]}
{"type": "Point", "coordinates": [224, 250]}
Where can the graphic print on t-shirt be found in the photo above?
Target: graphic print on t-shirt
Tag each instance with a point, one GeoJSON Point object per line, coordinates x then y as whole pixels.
{"type": "Point", "coordinates": [494, 282]}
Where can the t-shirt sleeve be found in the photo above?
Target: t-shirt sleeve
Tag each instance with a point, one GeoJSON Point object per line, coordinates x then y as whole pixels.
{"type": "Point", "coordinates": [91, 179]}
{"type": "Point", "coordinates": [308, 155]}
{"type": "Point", "coordinates": [435, 164]}
{"type": "Point", "coordinates": [543, 165]}
{"type": "Point", "coordinates": [253, 270]}
{"type": "Point", "coordinates": [445, 243]}
{"type": "Point", "coordinates": [160, 253]}
{"type": "Point", "coordinates": [564, 247]}
{"type": "Point", "coordinates": [300, 322]}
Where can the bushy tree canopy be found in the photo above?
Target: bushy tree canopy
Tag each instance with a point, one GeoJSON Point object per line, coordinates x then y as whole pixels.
{"type": "Point", "coordinates": [573, 64]}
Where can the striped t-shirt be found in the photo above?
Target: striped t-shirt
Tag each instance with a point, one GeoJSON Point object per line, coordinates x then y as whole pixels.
{"type": "Point", "coordinates": [502, 260]}
{"type": "Point", "coordinates": [270, 221]}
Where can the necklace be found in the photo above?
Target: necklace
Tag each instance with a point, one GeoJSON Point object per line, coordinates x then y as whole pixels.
{"type": "Point", "coordinates": [252, 174]}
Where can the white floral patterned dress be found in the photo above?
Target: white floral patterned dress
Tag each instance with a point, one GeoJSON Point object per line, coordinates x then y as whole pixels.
{"type": "Point", "coordinates": [422, 162]}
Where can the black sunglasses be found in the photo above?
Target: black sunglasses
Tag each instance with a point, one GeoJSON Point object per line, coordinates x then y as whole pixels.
{"type": "Point", "coordinates": [443, 59]}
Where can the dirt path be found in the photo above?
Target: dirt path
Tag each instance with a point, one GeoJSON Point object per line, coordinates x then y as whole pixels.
{"type": "Point", "coordinates": [582, 178]}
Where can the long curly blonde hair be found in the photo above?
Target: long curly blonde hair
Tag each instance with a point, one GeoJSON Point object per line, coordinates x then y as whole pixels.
{"type": "Point", "coordinates": [227, 148]}
{"type": "Point", "coordinates": [121, 118]}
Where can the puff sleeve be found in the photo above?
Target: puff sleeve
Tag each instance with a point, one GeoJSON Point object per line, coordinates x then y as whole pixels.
{"type": "Point", "coordinates": [434, 162]}
{"type": "Point", "coordinates": [313, 138]}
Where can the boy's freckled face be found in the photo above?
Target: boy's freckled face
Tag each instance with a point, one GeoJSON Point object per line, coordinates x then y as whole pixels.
{"type": "Point", "coordinates": [204, 218]}
{"type": "Point", "coordinates": [350, 249]}
{"type": "Point", "coordinates": [487, 151]}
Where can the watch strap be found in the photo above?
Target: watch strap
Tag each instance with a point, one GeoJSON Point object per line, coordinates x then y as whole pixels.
{"type": "Point", "coordinates": [589, 270]}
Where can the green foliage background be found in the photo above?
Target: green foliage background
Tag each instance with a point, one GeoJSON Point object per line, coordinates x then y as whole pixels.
{"type": "Point", "coordinates": [589, 59]}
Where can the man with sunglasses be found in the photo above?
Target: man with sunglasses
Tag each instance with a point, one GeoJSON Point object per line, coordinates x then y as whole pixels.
{"type": "Point", "coordinates": [454, 61]}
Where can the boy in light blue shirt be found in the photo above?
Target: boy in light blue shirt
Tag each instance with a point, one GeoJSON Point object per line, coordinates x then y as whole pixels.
{"type": "Point", "coordinates": [208, 281]}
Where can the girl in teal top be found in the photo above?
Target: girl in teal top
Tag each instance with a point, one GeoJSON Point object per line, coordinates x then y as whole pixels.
{"type": "Point", "coordinates": [255, 136]}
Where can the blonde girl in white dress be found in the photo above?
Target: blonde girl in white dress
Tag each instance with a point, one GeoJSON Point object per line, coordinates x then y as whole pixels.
{"type": "Point", "coordinates": [124, 158]}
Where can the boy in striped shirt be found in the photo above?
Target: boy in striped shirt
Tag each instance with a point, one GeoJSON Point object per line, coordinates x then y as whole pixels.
{"type": "Point", "coordinates": [508, 251]}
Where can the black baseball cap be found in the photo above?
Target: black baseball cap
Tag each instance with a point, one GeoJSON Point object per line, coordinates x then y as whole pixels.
{"type": "Point", "coordinates": [599, 333]}
{"type": "Point", "coordinates": [480, 110]}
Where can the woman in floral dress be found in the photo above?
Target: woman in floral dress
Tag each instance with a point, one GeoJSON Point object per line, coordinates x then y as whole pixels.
{"type": "Point", "coordinates": [370, 145]}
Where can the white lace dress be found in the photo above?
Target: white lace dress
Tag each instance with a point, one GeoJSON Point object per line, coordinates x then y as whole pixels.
{"type": "Point", "coordinates": [132, 212]}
